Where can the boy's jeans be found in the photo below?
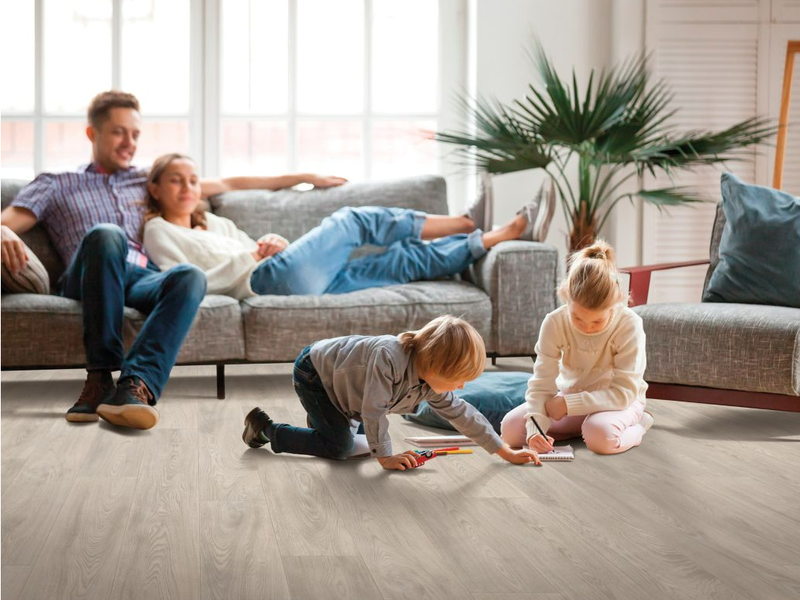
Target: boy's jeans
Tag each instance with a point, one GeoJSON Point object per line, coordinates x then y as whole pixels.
{"type": "Point", "coordinates": [101, 278]}
{"type": "Point", "coordinates": [318, 263]}
{"type": "Point", "coordinates": [330, 435]}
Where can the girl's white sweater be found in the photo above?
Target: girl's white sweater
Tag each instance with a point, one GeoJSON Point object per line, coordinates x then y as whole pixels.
{"type": "Point", "coordinates": [594, 372]}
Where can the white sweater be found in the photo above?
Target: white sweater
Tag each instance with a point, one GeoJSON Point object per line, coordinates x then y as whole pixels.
{"type": "Point", "coordinates": [594, 372]}
{"type": "Point", "coordinates": [222, 250]}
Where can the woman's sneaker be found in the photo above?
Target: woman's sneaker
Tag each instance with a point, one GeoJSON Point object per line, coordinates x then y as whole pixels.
{"type": "Point", "coordinates": [99, 388]}
{"type": "Point", "coordinates": [130, 406]}
{"type": "Point", "coordinates": [255, 423]}
{"type": "Point", "coordinates": [481, 212]}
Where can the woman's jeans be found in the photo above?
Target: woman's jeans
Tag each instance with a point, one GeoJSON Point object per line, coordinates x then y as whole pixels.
{"type": "Point", "coordinates": [318, 263]}
{"type": "Point", "coordinates": [330, 435]}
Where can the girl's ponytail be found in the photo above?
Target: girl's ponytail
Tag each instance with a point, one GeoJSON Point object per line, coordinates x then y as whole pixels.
{"type": "Point", "coordinates": [592, 278]}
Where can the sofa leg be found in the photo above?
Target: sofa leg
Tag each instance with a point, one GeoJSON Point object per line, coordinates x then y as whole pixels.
{"type": "Point", "coordinates": [221, 382]}
{"type": "Point", "coordinates": [494, 361]}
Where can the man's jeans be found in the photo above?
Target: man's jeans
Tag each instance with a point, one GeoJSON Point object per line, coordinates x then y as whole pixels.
{"type": "Point", "coordinates": [105, 282]}
{"type": "Point", "coordinates": [330, 435]}
{"type": "Point", "coordinates": [318, 262]}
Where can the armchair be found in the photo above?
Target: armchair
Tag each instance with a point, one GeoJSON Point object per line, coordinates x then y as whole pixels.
{"type": "Point", "coordinates": [718, 353]}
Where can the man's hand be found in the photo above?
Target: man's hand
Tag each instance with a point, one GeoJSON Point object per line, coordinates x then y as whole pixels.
{"type": "Point", "coordinates": [540, 444]}
{"type": "Point", "coordinates": [324, 181]}
{"type": "Point", "coordinates": [518, 457]}
{"type": "Point", "coordinates": [556, 408]}
{"type": "Point", "coordinates": [401, 462]}
{"type": "Point", "coordinates": [270, 244]}
{"type": "Point", "coordinates": [13, 249]}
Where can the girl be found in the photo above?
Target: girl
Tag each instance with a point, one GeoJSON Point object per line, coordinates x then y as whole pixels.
{"type": "Point", "coordinates": [365, 378]}
{"type": "Point", "coordinates": [590, 362]}
{"type": "Point", "coordinates": [178, 230]}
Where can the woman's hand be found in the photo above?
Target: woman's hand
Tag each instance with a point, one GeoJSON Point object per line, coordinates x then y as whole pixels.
{"type": "Point", "coordinates": [518, 457]}
{"type": "Point", "coordinates": [324, 181]}
{"type": "Point", "coordinates": [540, 444]}
{"type": "Point", "coordinates": [401, 462]}
{"type": "Point", "coordinates": [270, 245]}
{"type": "Point", "coordinates": [556, 408]}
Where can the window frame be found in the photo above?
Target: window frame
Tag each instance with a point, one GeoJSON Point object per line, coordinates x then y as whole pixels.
{"type": "Point", "coordinates": [205, 116]}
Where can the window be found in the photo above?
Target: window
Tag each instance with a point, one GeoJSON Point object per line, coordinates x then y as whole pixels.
{"type": "Point", "coordinates": [77, 48]}
{"type": "Point", "coordinates": [245, 86]}
{"type": "Point", "coordinates": [335, 87]}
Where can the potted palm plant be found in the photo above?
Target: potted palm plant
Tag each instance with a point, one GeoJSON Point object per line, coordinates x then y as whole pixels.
{"type": "Point", "coordinates": [617, 129]}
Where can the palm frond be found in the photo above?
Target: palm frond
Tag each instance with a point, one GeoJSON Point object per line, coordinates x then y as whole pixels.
{"type": "Point", "coordinates": [501, 144]}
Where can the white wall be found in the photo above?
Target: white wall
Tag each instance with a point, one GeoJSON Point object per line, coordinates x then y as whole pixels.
{"type": "Point", "coordinates": [579, 34]}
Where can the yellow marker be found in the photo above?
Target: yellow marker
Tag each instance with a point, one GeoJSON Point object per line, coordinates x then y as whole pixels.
{"type": "Point", "coordinates": [454, 452]}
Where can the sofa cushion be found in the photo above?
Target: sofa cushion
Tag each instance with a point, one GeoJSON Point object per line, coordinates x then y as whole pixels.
{"type": "Point", "coordinates": [278, 327]}
{"type": "Point", "coordinates": [41, 330]}
{"type": "Point", "coordinates": [759, 253]}
{"type": "Point", "coordinates": [292, 213]}
{"type": "Point", "coordinates": [36, 238]}
{"type": "Point", "coordinates": [730, 346]}
{"type": "Point", "coordinates": [32, 279]}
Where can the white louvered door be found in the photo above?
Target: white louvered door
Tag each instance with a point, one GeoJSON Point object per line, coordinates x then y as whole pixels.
{"type": "Point", "coordinates": [718, 71]}
{"type": "Point", "coordinates": [784, 11]}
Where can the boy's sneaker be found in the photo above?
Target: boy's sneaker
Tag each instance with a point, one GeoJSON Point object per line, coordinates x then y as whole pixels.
{"type": "Point", "coordinates": [482, 210]}
{"type": "Point", "coordinates": [647, 421]}
{"type": "Point", "coordinates": [99, 388]}
{"type": "Point", "coordinates": [254, 424]}
{"type": "Point", "coordinates": [130, 406]}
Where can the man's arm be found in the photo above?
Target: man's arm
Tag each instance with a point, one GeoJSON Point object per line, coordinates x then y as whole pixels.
{"type": "Point", "coordinates": [14, 220]}
{"type": "Point", "coordinates": [212, 187]}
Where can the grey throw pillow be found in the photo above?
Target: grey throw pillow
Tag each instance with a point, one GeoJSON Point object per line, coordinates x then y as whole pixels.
{"type": "Point", "coordinates": [759, 253]}
{"type": "Point", "coordinates": [33, 279]}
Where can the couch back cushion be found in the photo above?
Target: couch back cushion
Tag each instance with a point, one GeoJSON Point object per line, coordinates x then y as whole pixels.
{"type": "Point", "coordinates": [36, 238]}
{"type": "Point", "coordinates": [292, 213]}
{"type": "Point", "coordinates": [759, 251]}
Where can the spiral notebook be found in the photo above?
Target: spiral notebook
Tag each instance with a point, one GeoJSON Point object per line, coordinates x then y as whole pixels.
{"type": "Point", "coordinates": [559, 453]}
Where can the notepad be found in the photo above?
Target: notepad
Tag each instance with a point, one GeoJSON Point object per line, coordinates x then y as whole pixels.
{"type": "Point", "coordinates": [438, 441]}
{"type": "Point", "coordinates": [559, 453]}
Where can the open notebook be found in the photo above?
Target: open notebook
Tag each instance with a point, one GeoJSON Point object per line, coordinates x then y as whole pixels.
{"type": "Point", "coordinates": [558, 453]}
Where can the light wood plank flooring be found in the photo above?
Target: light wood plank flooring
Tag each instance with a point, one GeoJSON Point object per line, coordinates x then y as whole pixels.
{"type": "Point", "coordinates": [707, 508]}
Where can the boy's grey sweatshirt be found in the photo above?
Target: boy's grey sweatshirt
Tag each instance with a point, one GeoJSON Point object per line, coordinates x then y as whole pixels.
{"type": "Point", "coordinates": [368, 377]}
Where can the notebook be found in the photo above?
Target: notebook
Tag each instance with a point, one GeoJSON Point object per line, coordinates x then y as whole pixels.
{"type": "Point", "coordinates": [558, 453]}
{"type": "Point", "coordinates": [440, 441]}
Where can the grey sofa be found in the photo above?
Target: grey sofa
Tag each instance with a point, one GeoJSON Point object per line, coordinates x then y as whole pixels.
{"type": "Point", "coordinates": [717, 353]}
{"type": "Point", "coordinates": [505, 295]}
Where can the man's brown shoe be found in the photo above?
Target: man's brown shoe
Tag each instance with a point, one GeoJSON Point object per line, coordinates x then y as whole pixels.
{"type": "Point", "coordinates": [130, 406]}
{"type": "Point", "coordinates": [99, 388]}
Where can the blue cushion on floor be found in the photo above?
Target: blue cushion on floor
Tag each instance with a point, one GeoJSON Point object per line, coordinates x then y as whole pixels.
{"type": "Point", "coordinates": [493, 394]}
{"type": "Point", "coordinates": [759, 253]}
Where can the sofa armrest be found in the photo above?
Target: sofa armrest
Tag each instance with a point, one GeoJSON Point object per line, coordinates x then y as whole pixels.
{"type": "Point", "coordinates": [640, 278]}
{"type": "Point", "coordinates": [520, 278]}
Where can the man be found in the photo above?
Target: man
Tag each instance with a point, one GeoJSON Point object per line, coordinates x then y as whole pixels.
{"type": "Point", "coordinates": [94, 218]}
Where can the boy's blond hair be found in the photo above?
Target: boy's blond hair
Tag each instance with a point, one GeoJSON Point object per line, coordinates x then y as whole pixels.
{"type": "Point", "coordinates": [592, 280]}
{"type": "Point", "coordinates": [448, 347]}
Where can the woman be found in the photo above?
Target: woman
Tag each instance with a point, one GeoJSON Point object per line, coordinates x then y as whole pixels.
{"type": "Point", "coordinates": [178, 230]}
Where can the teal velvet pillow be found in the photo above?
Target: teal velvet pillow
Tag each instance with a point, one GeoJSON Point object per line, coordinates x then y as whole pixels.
{"type": "Point", "coordinates": [493, 394]}
{"type": "Point", "coordinates": [759, 253]}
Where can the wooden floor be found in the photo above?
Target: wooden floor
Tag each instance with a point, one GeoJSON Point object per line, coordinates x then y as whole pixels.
{"type": "Point", "coordinates": [708, 507]}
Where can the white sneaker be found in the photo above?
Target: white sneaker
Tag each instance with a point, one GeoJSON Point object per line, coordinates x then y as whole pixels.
{"type": "Point", "coordinates": [482, 210]}
{"type": "Point", "coordinates": [530, 211]}
{"type": "Point", "coordinates": [647, 421]}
